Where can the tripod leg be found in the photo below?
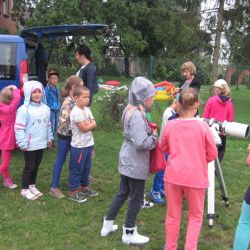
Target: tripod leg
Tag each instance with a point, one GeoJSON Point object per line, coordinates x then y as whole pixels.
{"type": "Point", "coordinates": [221, 181]}
{"type": "Point", "coordinates": [211, 195]}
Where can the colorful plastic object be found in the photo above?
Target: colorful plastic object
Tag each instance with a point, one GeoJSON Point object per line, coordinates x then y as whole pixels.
{"type": "Point", "coordinates": [164, 90]}
{"type": "Point", "coordinates": [113, 83]}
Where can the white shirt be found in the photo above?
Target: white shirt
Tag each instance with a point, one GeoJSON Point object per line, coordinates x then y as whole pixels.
{"type": "Point", "coordinates": [165, 118]}
{"type": "Point", "coordinates": [78, 72]}
{"type": "Point", "coordinates": [79, 138]}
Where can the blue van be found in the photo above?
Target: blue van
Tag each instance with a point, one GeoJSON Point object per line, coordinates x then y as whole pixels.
{"type": "Point", "coordinates": [23, 58]}
{"type": "Point", "coordinates": [13, 61]}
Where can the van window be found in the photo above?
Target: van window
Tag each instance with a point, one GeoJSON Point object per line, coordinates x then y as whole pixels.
{"type": "Point", "coordinates": [8, 61]}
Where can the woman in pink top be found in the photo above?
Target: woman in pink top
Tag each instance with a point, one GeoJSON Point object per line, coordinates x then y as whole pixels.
{"type": "Point", "coordinates": [9, 100]}
{"type": "Point", "coordinates": [190, 145]}
{"type": "Point", "coordinates": [220, 107]}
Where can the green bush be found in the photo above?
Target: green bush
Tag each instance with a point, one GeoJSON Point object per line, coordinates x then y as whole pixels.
{"type": "Point", "coordinates": [113, 104]}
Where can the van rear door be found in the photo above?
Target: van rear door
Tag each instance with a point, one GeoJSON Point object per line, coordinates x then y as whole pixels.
{"type": "Point", "coordinates": [38, 57]}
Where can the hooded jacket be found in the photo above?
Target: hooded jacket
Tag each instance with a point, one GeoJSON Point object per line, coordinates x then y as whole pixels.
{"type": "Point", "coordinates": [138, 139]}
{"type": "Point", "coordinates": [218, 109]}
{"type": "Point", "coordinates": [32, 126]}
{"type": "Point", "coordinates": [7, 118]}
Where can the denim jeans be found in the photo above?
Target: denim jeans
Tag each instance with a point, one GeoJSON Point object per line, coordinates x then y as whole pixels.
{"type": "Point", "coordinates": [63, 149]}
{"type": "Point", "coordinates": [158, 183]}
{"type": "Point", "coordinates": [54, 120]}
{"type": "Point", "coordinates": [79, 167]}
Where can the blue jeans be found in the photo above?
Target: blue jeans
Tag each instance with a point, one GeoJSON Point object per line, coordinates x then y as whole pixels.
{"type": "Point", "coordinates": [54, 121]}
{"type": "Point", "coordinates": [158, 183]}
{"type": "Point", "coordinates": [242, 235]}
{"type": "Point", "coordinates": [63, 149]}
{"type": "Point", "coordinates": [79, 167]}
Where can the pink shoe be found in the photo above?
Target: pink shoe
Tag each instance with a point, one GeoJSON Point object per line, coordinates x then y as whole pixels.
{"type": "Point", "coordinates": [8, 182]}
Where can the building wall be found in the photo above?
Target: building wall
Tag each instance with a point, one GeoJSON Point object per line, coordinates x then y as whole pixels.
{"type": "Point", "coordinates": [6, 21]}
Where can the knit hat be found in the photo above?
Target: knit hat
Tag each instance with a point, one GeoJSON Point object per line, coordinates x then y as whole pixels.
{"type": "Point", "coordinates": [219, 83]}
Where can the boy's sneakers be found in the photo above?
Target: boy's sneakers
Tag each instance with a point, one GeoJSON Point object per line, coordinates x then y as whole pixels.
{"type": "Point", "coordinates": [156, 197]}
{"type": "Point", "coordinates": [77, 196]}
{"type": "Point", "coordinates": [8, 182]}
{"type": "Point", "coordinates": [26, 193]}
{"type": "Point", "coordinates": [88, 191]}
{"type": "Point", "coordinates": [147, 204]}
{"type": "Point", "coordinates": [35, 191]}
{"type": "Point", "coordinates": [56, 193]}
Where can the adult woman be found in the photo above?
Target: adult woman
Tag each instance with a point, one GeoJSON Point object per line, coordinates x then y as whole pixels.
{"type": "Point", "coordinates": [87, 71]}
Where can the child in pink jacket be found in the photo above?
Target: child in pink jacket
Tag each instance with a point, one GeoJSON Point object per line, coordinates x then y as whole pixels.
{"type": "Point", "coordinates": [220, 107]}
{"type": "Point", "coordinates": [190, 145]}
{"type": "Point", "coordinates": [9, 100]}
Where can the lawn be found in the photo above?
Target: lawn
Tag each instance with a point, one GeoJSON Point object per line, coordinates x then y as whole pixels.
{"type": "Point", "coordinates": [50, 223]}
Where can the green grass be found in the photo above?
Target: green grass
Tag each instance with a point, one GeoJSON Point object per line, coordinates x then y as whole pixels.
{"type": "Point", "coordinates": [49, 223]}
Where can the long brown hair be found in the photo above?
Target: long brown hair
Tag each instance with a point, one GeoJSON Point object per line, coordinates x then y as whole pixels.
{"type": "Point", "coordinates": [70, 82]}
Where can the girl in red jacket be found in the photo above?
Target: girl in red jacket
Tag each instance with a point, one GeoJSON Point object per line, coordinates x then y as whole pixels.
{"type": "Point", "coordinates": [9, 100]}
{"type": "Point", "coordinates": [220, 107]}
{"type": "Point", "coordinates": [190, 146]}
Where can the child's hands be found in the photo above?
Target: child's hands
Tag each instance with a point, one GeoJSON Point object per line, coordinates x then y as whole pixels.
{"type": "Point", "coordinates": [49, 144]}
{"type": "Point", "coordinates": [248, 148]}
{"type": "Point", "coordinates": [11, 87]}
{"type": "Point", "coordinates": [176, 91]}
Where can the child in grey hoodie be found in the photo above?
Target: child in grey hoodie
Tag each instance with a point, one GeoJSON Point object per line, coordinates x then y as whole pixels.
{"type": "Point", "coordinates": [134, 158]}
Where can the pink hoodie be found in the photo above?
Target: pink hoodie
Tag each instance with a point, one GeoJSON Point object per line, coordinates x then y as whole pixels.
{"type": "Point", "coordinates": [190, 145]}
{"type": "Point", "coordinates": [219, 110]}
{"type": "Point", "coordinates": [7, 118]}
{"type": "Point", "coordinates": [248, 159]}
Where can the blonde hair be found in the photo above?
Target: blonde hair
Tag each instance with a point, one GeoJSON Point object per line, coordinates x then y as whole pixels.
{"type": "Point", "coordinates": [70, 82]}
{"type": "Point", "coordinates": [225, 90]}
{"type": "Point", "coordinates": [6, 95]}
{"type": "Point", "coordinates": [188, 98]}
{"type": "Point", "coordinates": [78, 90]}
{"type": "Point", "coordinates": [189, 66]}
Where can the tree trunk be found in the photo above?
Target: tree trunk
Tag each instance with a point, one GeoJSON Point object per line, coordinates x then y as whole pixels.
{"type": "Point", "coordinates": [217, 43]}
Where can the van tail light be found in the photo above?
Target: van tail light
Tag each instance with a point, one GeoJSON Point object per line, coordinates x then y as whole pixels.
{"type": "Point", "coordinates": [23, 75]}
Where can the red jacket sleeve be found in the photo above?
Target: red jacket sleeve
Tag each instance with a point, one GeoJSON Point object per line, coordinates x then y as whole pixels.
{"type": "Point", "coordinates": [230, 116]}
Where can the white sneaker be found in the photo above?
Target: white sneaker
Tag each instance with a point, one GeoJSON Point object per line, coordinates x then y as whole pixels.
{"type": "Point", "coordinates": [28, 195]}
{"type": "Point", "coordinates": [147, 204]}
{"type": "Point", "coordinates": [35, 191]}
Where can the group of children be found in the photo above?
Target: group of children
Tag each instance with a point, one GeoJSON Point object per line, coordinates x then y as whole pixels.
{"type": "Point", "coordinates": [188, 145]}
{"type": "Point", "coordinates": [32, 128]}
{"type": "Point", "coordinates": [33, 125]}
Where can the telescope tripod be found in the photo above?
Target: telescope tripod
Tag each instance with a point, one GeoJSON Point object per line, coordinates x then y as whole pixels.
{"type": "Point", "coordinates": [214, 170]}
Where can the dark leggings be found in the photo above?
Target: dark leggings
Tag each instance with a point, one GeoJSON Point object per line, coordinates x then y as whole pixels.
{"type": "Point", "coordinates": [32, 161]}
{"type": "Point", "coordinates": [135, 190]}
